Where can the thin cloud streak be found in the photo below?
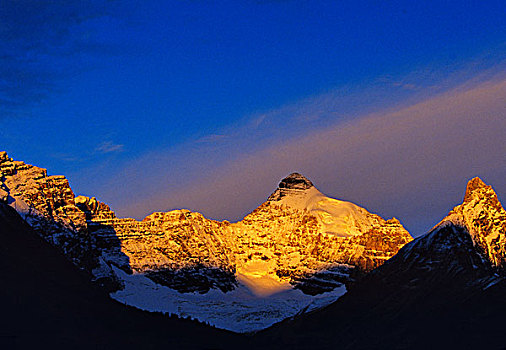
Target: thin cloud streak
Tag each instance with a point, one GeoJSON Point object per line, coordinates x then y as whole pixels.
{"type": "Point", "coordinates": [109, 147]}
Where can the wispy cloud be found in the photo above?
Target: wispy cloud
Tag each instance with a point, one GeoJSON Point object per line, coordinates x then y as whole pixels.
{"type": "Point", "coordinates": [65, 157]}
{"type": "Point", "coordinates": [109, 147]}
{"type": "Point", "coordinates": [212, 138]}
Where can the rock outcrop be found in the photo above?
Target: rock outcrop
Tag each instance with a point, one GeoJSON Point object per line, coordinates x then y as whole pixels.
{"type": "Point", "coordinates": [290, 184]}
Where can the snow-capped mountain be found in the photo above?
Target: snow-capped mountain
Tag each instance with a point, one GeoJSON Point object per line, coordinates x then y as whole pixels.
{"type": "Point", "coordinates": [334, 217]}
{"type": "Point", "coordinates": [443, 290]}
{"type": "Point", "coordinates": [298, 250]}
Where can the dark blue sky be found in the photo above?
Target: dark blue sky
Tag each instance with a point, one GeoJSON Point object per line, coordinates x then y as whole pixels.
{"type": "Point", "coordinates": [89, 88]}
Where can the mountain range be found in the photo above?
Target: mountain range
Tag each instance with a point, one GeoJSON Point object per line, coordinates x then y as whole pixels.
{"type": "Point", "coordinates": [329, 273]}
{"type": "Point", "coordinates": [298, 250]}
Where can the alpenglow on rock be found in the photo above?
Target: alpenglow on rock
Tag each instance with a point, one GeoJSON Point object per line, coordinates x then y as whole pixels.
{"type": "Point", "coordinates": [48, 204]}
{"type": "Point", "coordinates": [484, 218]}
{"type": "Point", "coordinates": [299, 240]}
{"type": "Point", "coordinates": [472, 238]}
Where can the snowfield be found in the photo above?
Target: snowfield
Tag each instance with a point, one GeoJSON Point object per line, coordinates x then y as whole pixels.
{"type": "Point", "coordinates": [240, 310]}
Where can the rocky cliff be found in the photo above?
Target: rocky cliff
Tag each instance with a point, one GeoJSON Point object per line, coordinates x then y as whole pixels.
{"type": "Point", "coordinates": [48, 204]}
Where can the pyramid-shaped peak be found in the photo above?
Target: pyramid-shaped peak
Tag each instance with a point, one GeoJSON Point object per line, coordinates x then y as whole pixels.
{"type": "Point", "coordinates": [296, 181]}
{"type": "Point", "coordinates": [473, 186]}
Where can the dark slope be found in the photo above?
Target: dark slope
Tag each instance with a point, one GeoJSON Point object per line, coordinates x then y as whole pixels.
{"type": "Point", "coordinates": [46, 302]}
{"type": "Point", "coordinates": [432, 294]}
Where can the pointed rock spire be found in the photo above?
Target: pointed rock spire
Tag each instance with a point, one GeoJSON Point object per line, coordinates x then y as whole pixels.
{"type": "Point", "coordinates": [473, 185]}
{"type": "Point", "coordinates": [479, 192]}
{"type": "Point", "coordinates": [4, 156]}
{"type": "Point", "coordinates": [483, 217]}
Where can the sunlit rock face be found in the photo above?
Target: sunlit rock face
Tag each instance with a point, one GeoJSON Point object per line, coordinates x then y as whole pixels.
{"type": "Point", "coordinates": [294, 245]}
{"type": "Point", "coordinates": [32, 192]}
{"type": "Point", "coordinates": [166, 246]}
{"type": "Point", "coordinates": [298, 238]}
{"type": "Point", "coordinates": [483, 217]}
{"type": "Point", "coordinates": [468, 244]}
{"type": "Point", "coordinates": [47, 204]}
{"type": "Point", "coordinates": [304, 239]}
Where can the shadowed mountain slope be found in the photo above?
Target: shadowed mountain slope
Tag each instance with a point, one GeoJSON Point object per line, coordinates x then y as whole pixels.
{"type": "Point", "coordinates": [46, 302]}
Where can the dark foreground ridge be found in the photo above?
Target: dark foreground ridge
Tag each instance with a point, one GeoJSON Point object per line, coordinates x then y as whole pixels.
{"type": "Point", "coordinates": [47, 303]}
{"type": "Point", "coordinates": [440, 298]}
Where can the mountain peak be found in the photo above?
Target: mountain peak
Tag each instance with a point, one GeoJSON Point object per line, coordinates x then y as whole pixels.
{"type": "Point", "coordinates": [483, 217]}
{"type": "Point", "coordinates": [293, 183]}
{"type": "Point", "coordinates": [473, 186]}
{"type": "Point", "coordinates": [296, 181]}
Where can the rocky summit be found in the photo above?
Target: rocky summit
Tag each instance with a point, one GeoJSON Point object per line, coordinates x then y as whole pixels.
{"type": "Point", "coordinates": [294, 181]}
{"type": "Point", "coordinates": [298, 240]}
{"type": "Point", "coordinates": [483, 217]}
